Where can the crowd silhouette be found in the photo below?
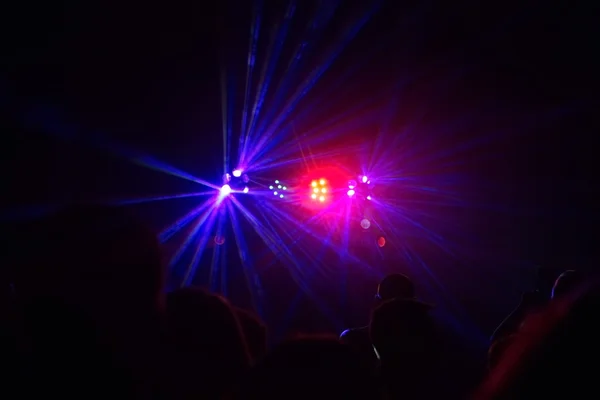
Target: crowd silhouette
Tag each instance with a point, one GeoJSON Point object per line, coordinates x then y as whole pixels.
{"type": "Point", "coordinates": [85, 315]}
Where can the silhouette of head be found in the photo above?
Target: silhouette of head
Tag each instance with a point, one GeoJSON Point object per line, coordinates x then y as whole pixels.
{"type": "Point", "coordinates": [401, 326]}
{"type": "Point", "coordinates": [311, 367]}
{"type": "Point", "coordinates": [206, 342]}
{"type": "Point", "coordinates": [565, 283]}
{"type": "Point", "coordinates": [553, 354]}
{"type": "Point", "coordinates": [395, 286]}
{"type": "Point", "coordinates": [255, 333]}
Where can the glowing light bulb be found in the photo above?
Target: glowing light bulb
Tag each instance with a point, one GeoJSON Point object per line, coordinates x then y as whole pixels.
{"type": "Point", "coordinates": [225, 190]}
{"type": "Point", "coordinates": [237, 173]}
{"type": "Point", "coordinates": [321, 198]}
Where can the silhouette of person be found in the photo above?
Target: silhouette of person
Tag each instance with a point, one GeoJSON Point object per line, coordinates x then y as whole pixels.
{"type": "Point", "coordinates": [565, 283]}
{"type": "Point", "coordinates": [395, 286]}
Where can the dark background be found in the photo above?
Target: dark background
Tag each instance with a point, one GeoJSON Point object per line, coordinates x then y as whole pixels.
{"type": "Point", "coordinates": [146, 76]}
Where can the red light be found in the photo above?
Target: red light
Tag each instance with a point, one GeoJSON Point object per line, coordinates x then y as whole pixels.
{"type": "Point", "coordinates": [381, 241]}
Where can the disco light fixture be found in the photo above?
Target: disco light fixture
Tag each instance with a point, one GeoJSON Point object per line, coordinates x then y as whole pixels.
{"type": "Point", "coordinates": [361, 188]}
{"type": "Point", "coordinates": [319, 190]}
{"type": "Point", "coordinates": [278, 188]}
{"type": "Point", "coordinates": [237, 181]}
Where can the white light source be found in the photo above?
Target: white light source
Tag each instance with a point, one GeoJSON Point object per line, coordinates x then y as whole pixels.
{"type": "Point", "coordinates": [351, 192]}
{"type": "Point", "coordinates": [225, 190]}
{"type": "Point", "coordinates": [246, 189]}
{"type": "Point", "coordinates": [364, 179]}
{"type": "Point", "coordinates": [237, 173]}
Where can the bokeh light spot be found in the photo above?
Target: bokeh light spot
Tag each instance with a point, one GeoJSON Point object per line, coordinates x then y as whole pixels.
{"type": "Point", "coordinates": [365, 223]}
